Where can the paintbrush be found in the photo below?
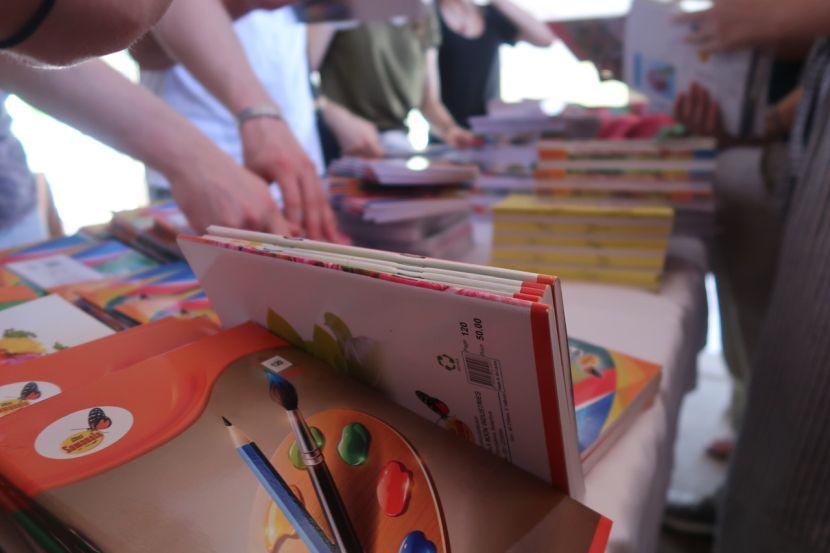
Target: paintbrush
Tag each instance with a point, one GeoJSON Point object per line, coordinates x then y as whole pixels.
{"type": "Point", "coordinates": [278, 490]}
{"type": "Point", "coordinates": [284, 393]}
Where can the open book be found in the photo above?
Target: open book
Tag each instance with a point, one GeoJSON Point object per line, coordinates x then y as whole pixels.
{"type": "Point", "coordinates": [480, 351]}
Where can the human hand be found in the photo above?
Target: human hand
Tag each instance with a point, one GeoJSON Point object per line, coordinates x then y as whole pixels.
{"type": "Point", "coordinates": [696, 110]}
{"type": "Point", "coordinates": [734, 24]}
{"type": "Point", "coordinates": [458, 137]}
{"type": "Point", "coordinates": [271, 151]}
{"type": "Point", "coordinates": [214, 190]}
{"type": "Point", "coordinates": [355, 135]}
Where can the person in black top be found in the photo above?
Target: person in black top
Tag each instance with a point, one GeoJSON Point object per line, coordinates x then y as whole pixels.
{"type": "Point", "coordinates": [468, 56]}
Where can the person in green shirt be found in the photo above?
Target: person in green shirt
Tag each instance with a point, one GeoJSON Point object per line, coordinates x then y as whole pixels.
{"type": "Point", "coordinates": [379, 71]}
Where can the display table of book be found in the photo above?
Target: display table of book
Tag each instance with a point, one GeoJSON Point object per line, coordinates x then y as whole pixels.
{"type": "Point", "coordinates": [433, 362]}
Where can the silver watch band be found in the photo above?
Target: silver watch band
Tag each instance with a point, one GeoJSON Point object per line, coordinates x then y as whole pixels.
{"type": "Point", "coordinates": [256, 112]}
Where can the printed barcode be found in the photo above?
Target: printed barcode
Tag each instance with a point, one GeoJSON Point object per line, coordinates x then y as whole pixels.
{"type": "Point", "coordinates": [479, 370]}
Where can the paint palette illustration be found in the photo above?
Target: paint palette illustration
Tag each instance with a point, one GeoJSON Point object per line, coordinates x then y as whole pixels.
{"type": "Point", "coordinates": [387, 490]}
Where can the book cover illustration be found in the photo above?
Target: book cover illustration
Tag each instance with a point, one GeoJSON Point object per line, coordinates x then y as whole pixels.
{"type": "Point", "coordinates": [64, 245]}
{"type": "Point", "coordinates": [38, 379]}
{"type": "Point", "coordinates": [493, 359]}
{"type": "Point", "coordinates": [156, 426]}
{"type": "Point", "coordinates": [14, 290]}
{"type": "Point", "coordinates": [89, 263]}
{"type": "Point", "coordinates": [607, 385]}
{"type": "Point", "coordinates": [44, 326]}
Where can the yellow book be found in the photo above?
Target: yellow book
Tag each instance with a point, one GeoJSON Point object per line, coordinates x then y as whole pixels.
{"type": "Point", "coordinates": [532, 205]}
{"type": "Point", "coordinates": [649, 280]}
{"type": "Point", "coordinates": [584, 226]}
{"type": "Point", "coordinates": [587, 240]}
{"type": "Point", "coordinates": [582, 257]}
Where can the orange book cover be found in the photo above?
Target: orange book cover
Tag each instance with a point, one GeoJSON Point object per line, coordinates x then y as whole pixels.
{"type": "Point", "coordinates": [39, 379]}
{"type": "Point", "coordinates": [140, 461]}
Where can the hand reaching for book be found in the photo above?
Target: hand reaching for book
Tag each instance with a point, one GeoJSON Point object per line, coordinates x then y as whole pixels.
{"type": "Point", "coordinates": [355, 135]}
{"type": "Point", "coordinates": [217, 191]}
{"type": "Point", "coordinates": [271, 151]}
{"type": "Point", "coordinates": [458, 137]}
{"type": "Point", "coordinates": [696, 110]}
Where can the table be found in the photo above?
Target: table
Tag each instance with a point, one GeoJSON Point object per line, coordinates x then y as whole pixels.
{"type": "Point", "coordinates": [628, 485]}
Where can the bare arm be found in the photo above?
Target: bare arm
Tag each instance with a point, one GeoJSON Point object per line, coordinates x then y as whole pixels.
{"type": "Point", "coordinates": [733, 24]}
{"type": "Point", "coordinates": [434, 110]}
{"type": "Point", "coordinates": [530, 29]}
{"type": "Point", "coordinates": [79, 29]}
{"type": "Point", "coordinates": [199, 34]}
{"type": "Point", "coordinates": [209, 186]}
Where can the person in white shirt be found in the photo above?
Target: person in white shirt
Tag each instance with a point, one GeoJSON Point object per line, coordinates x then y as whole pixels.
{"type": "Point", "coordinates": [246, 86]}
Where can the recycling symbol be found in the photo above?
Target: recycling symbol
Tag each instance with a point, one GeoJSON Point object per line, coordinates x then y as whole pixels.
{"type": "Point", "coordinates": [447, 362]}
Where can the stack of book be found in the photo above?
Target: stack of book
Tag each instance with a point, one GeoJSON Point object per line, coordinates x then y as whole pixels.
{"type": "Point", "coordinates": [415, 205]}
{"type": "Point", "coordinates": [677, 172]}
{"type": "Point", "coordinates": [599, 241]}
{"type": "Point", "coordinates": [152, 229]}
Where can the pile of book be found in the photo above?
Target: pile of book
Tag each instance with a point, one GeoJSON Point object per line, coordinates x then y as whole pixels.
{"type": "Point", "coordinates": [675, 172]}
{"type": "Point", "coordinates": [415, 205]}
{"type": "Point", "coordinates": [113, 282]}
{"type": "Point", "coordinates": [599, 241]}
{"type": "Point", "coordinates": [152, 229]}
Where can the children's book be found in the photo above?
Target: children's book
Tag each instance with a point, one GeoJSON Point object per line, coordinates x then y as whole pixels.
{"type": "Point", "coordinates": [14, 290]}
{"type": "Point", "coordinates": [39, 379]}
{"type": "Point", "coordinates": [661, 64]}
{"type": "Point", "coordinates": [65, 245]}
{"type": "Point", "coordinates": [610, 390]}
{"type": "Point", "coordinates": [192, 303]}
{"type": "Point", "coordinates": [487, 345]}
{"type": "Point", "coordinates": [91, 262]}
{"type": "Point", "coordinates": [140, 460]}
{"type": "Point", "coordinates": [43, 326]}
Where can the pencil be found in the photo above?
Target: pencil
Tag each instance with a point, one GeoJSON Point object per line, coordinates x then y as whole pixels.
{"type": "Point", "coordinates": [278, 490]}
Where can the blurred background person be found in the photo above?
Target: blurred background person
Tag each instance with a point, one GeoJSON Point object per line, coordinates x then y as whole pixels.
{"type": "Point", "coordinates": [379, 71]}
{"type": "Point", "coordinates": [777, 490]}
{"type": "Point", "coordinates": [468, 58]}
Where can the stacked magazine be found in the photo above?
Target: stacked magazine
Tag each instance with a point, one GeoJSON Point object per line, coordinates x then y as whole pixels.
{"type": "Point", "coordinates": [413, 205]}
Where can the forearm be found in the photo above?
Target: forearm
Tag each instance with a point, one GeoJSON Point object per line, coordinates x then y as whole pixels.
{"type": "Point", "coordinates": [80, 28]}
{"type": "Point", "coordinates": [530, 29]}
{"type": "Point", "coordinates": [432, 107]}
{"type": "Point", "coordinates": [439, 118]}
{"type": "Point", "coordinates": [199, 34]}
{"type": "Point", "coordinates": [93, 98]}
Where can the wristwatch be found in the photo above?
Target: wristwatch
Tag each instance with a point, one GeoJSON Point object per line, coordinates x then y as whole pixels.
{"type": "Point", "coordinates": [271, 111]}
